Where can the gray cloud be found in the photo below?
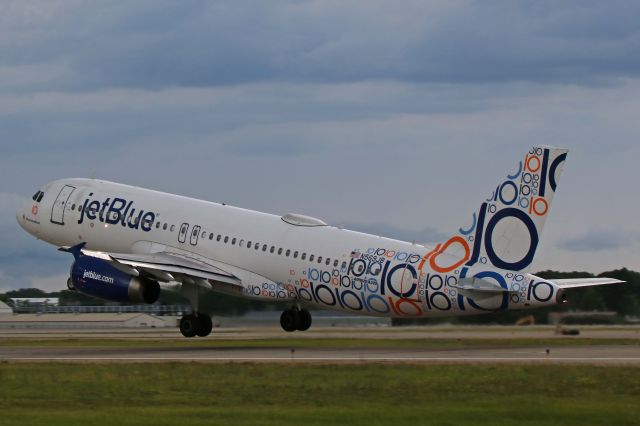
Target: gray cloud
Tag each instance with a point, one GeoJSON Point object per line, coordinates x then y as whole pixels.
{"type": "Point", "coordinates": [601, 241]}
{"type": "Point", "coordinates": [365, 112]}
{"type": "Point", "coordinates": [156, 44]}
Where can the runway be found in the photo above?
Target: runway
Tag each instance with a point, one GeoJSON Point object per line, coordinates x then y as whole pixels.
{"type": "Point", "coordinates": [591, 354]}
{"type": "Point", "coordinates": [601, 346]}
{"type": "Point", "coordinates": [386, 333]}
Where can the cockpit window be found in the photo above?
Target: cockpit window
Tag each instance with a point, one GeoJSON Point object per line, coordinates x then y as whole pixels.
{"type": "Point", "coordinates": [37, 197]}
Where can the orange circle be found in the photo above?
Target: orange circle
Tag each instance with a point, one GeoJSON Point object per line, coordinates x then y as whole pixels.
{"type": "Point", "coordinates": [535, 210]}
{"type": "Point", "coordinates": [411, 303]}
{"type": "Point", "coordinates": [442, 269]}
{"type": "Point", "coordinates": [529, 164]}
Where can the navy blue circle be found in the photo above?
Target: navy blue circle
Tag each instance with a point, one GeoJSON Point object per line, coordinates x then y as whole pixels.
{"type": "Point", "coordinates": [540, 299]}
{"type": "Point", "coordinates": [533, 232]}
{"type": "Point", "coordinates": [308, 297]}
{"type": "Point", "coordinates": [439, 293]}
{"type": "Point", "coordinates": [500, 279]}
{"type": "Point", "coordinates": [431, 282]}
{"type": "Point", "coordinates": [344, 293]}
{"type": "Point", "coordinates": [324, 287]}
{"type": "Point", "coordinates": [358, 273]}
{"type": "Point", "coordinates": [515, 192]}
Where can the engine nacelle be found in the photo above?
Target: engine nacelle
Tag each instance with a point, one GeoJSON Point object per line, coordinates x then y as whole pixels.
{"type": "Point", "coordinates": [98, 278]}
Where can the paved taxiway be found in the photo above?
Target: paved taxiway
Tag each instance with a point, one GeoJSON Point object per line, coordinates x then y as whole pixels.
{"type": "Point", "coordinates": [603, 354]}
{"type": "Point", "coordinates": [24, 346]}
{"type": "Point", "coordinates": [387, 333]}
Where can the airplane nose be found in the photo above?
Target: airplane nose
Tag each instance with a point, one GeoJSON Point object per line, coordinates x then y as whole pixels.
{"type": "Point", "coordinates": [20, 216]}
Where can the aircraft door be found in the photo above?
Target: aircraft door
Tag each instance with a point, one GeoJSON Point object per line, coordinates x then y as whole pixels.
{"type": "Point", "coordinates": [182, 235]}
{"type": "Point", "coordinates": [57, 211]}
{"type": "Point", "coordinates": [195, 233]}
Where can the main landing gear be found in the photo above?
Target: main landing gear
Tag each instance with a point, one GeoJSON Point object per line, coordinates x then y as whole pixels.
{"type": "Point", "coordinates": [295, 319]}
{"type": "Point", "coordinates": [196, 325]}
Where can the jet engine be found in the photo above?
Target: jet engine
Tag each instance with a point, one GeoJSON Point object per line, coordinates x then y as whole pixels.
{"type": "Point", "coordinates": [99, 278]}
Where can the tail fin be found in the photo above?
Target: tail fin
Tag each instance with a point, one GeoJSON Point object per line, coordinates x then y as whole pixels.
{"type": "Point", "coordinates": [506, 228]}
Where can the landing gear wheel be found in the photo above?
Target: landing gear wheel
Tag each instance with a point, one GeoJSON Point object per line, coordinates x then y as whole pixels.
{"type": "Point", "coordinates": [289, 320]}
{"type": "Point", "coordinates": [204, 325]}
{"type": "Point", "coordinates": [70, 284]}
{"type": "Point", "coordinates": [189, 325]}
{"type": "Point", "coordinates": [304, 320]}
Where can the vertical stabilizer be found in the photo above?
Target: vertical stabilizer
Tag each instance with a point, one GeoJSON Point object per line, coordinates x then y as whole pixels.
{"type": "Point", "coordinates": [505, 230]}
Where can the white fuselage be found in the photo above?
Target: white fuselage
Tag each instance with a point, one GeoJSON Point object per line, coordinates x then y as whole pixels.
{"type": "Point", "coordinates": [300, 260]}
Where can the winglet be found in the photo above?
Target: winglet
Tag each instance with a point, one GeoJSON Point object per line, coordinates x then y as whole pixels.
{"type": "Point", "coordinates": [76, 250]}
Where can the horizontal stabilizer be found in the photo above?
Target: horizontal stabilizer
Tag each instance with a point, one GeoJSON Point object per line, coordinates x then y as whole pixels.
{"type": "Point", "coordinates": [478, 289]}
{"type": "Point", "coordinates": [480, 285]}
{"type": "Point", "coordinates": [585, 282]}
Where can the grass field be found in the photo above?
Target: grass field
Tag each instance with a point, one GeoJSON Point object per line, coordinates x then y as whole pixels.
{"type": "Point", "coordinates": [267, 394]}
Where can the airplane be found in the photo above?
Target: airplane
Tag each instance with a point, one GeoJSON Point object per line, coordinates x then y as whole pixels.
{"type": "Point", "coordinates": [130, 243]}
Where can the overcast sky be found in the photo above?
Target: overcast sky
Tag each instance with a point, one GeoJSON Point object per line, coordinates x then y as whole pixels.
{"type": "Point", "coordinates": [390, 117]}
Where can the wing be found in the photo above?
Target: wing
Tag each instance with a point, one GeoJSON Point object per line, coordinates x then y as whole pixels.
{"type": "Point", "coordinates": [585, 282]}
{"type": "Point", "coordinates": [165, 267]}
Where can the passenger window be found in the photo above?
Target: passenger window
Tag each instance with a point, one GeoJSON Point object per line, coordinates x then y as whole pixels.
{"type": "Point", "coordinates": [233, 242]}
{"type": "Point", "coordinates": [288, 253]}
{"type": "Point", "coordinates": [164, 227]}
{"type": "Point", "coordinates": [304, 256]}
{"type": "Point", "coordinates": [319, 259]}
{"type": "Point", "coordinates": [211, 236]}
{"type": "Point", "coordinates": [157, 225]}
{"type": "Point", "coordinates": [248, 244]}
{"type": "Point", "coordinates": [226, 239]}
{"type": "Point", "coordinates": [335, 263]}
{"type": "Point", "coordinates": [204, 234]}
{"type": "Point", "coordinates": [73, 206]}
{"type": "Point", "coordinates": [344, 265]}
{"type": "Point", "coordinates": [195, 232]}
{"type": "Point", "coordinates": [327, 262]}
{"type": "Point", "coordinates": [264, 247]}
{"type": "Point", "coordinates": [311, 257]}
{"type": "Point", "coordinates": [273, 248]}
{"type": "Point", "coordinates": [79, 208]}
{"type": "Point", "coordinates": [280, 251]}
{"type": "Point", "coordinates": [241, 243]}
{"type": "Point", "coordinates": [257, 246]}
{"type": "Point", "coordinates": [172, 228]}
{"type": "Point", "coordinates": [219, 238]}
{"type": "Point", "coordinates": [295, 254]}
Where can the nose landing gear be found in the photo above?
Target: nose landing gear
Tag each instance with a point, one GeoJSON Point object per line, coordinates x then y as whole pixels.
{"type": "Point", "coordinates": [196, 325]}
{"type": "Point", "coordinates": [295, 319]}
